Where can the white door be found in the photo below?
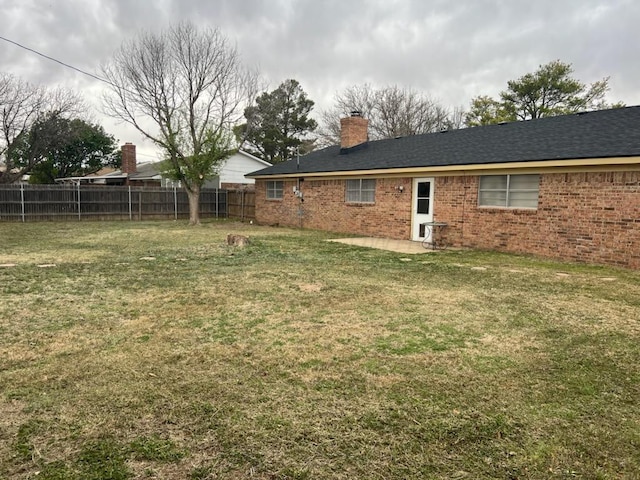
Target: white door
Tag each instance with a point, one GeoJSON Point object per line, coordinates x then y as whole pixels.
{"type": "Point", "coordinates": [422, 208]}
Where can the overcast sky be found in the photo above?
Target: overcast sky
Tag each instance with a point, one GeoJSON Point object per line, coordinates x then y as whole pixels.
{"type": "Point", "coordinates": [452, 50]}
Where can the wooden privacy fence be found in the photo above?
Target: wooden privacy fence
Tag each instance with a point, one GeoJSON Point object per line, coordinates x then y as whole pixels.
{"type": "Point", "coordinates": [88, 202]}
{"type": "Point", "coordinates": [241, 204]}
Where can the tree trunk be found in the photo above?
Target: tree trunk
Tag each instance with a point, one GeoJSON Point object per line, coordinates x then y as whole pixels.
{"type": "Point", "coordinates": [194, 204]}
{"type": "Point", "coordinates": [7, 178]}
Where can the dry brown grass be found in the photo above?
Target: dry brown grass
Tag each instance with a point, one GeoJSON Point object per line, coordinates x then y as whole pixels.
{"type": "Point", "coordinates": [153, 350]}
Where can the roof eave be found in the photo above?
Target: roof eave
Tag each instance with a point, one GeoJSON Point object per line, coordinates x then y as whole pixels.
{"type": "Point", "coordinates": [631, 161]}
{"type": "Point", "coordinates": [253, 157]}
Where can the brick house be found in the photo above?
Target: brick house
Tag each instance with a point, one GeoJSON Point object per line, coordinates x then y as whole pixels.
{"type": "Point", "coordinates": [564, 187]}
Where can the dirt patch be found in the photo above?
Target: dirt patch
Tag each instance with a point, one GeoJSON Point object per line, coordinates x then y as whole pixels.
{"type": "Point", "coordinates": [310, 287]}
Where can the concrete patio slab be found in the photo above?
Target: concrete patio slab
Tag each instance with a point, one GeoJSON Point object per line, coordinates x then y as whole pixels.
{"type": "Point", "coordinates": [399, 246]}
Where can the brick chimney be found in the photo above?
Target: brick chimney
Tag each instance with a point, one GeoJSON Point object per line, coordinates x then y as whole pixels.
{"type": "Point", "coordinates": [354, 130]}
{"type": "Point", "coordinates": [128, 158]}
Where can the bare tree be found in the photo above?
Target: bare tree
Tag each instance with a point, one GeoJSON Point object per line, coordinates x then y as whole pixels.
{"type": "Point", "coordinates": [183, 89]}
{"type": "Point", "coordinates": [360, 98]}
{"type": "Point", "coordinates": [456, 118]}
{"type": "Point", "coordinates": [29, 119]}
{"type": "Point", "coordinates": [392, 112]}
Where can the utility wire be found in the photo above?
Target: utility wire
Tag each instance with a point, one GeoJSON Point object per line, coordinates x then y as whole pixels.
{"type": "Point", "coordinates": [58, 61]}
{"type": "Point", "coordinates": [104, 80]}
{"type": "Point", "coordinates": [96, 77]}
{"type": "Point", "coordinates": [146, 155]}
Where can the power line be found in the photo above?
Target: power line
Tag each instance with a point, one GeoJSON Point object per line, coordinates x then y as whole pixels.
{"type": "Point", "coordinates": [104, 80]}
{"type": "Point", "coordinates": [146, 155]}
{"type": "Point", "coordinates": [58, 61]}
{"type": "Point", "coordinates": [79, 70]}
{"type": "Point", "coordinates": [96, 77]}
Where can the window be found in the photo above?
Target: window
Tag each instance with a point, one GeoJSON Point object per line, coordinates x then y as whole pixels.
{"type": "Point", "coordinates": [361, 191]}
{"type": "Point", "coordinates": [514, 191]}
{"type": "Point", "coordinates": [275, 189]}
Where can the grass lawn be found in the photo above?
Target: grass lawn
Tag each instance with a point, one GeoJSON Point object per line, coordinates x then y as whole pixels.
{"type": "Point", "coordinates": [153, 350]}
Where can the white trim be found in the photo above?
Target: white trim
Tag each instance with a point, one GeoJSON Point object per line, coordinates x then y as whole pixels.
{"type": "Point", "coordinates": [253, 157]}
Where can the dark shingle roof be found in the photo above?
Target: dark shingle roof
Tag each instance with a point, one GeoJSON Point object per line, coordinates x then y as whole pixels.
{"type": "Point", "coordinates": [597, 134]}
{"type": "Point", "coordinates": [147, 171]}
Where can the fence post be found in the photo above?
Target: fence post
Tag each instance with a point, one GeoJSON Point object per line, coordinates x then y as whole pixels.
{"type": "Point", "coordinates": [130, 207]}
{"type": "Point", "coordinates": [79, 200]}
{"type": "Point", "coordinates": [242, 207]}
{"type": "Point", "coordinates": [175, 201]}
{"type": "Point", "coordinates": [22, 200]}
{"type": "Point", "coordinates": [216, 202]}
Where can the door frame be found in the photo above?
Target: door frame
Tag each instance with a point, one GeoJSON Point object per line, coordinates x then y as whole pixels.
{"type": "Point", "coordinates": [418, 218]}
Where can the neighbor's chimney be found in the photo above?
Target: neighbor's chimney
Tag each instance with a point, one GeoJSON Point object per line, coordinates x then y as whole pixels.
{"type": "Point", "coordinates": [353, 130]}
{"type": "Point", "coordinates": [128, 158]}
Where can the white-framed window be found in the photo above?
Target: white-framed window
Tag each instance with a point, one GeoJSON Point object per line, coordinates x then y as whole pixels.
{"type": "Point", "coordinates": [275, 189]}
{"type": "Point", "coordinates": [361, 191]}
{"type": "Point", "coordinates": [511, 191]}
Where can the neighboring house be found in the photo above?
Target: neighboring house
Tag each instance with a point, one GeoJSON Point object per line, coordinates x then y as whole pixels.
{"type": "Point", "coordinates": [564, 187]}
{"type": "Point", "coordinates": [231, 174]}
{"type": "Point", "coordinates": [106, 176]}
{"type": "Point", "coordinates": [130, 173]}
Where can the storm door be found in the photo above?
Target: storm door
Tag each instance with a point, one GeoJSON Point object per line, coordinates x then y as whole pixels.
{"type": "Point", "coordinates": [422, 208]}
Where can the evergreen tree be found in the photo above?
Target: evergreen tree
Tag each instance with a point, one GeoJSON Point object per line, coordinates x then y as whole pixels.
{"type": "Point", "coordinates": [277, 124]}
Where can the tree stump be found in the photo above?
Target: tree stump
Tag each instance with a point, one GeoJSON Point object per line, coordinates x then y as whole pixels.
{"type": "Point", "coordinates": [237, 240]}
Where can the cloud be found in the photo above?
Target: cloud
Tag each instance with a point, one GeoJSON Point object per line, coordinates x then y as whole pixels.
{"type": "Point", "coordinates": [450, 50]}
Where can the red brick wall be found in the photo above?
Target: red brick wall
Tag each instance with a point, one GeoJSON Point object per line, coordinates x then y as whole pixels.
{"type": "Point", "coordinates": [585, 217]}
{"type": "Point", "coordinates": [324, 208]}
